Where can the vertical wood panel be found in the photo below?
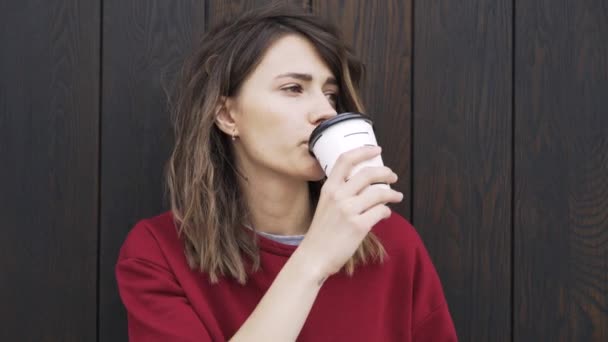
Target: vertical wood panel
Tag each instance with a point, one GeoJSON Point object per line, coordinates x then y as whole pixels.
{"type": "Point", "coordinates": [219, 9]}
{"type": "Point", "coordinates": [144, 44]}
{"type": "Point", "coordinates": [462, 157]}
{"type": "Point", "coordinates": [561, 171]}
{"type": "Point", "coordinates": [380, 34]}
{"type": "Point", "coordinates": [49, 80]}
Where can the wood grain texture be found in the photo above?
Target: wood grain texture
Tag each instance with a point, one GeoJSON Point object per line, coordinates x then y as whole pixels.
{"type": "Point", "coordinates": [219, 9]}
{"type": "Point", "coordinates": [462, 157]}
{"type": "Point", "coordinates": [49, 78]}
{"type": "Point", "coordinates": [144, 44]}
{"type": "Point", "coordinates": [380, 34]}
{"type": "Point", "coordinates": [561, 171]}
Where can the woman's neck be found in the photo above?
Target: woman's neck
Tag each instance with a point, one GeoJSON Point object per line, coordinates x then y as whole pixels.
{"type": "Point", "coordinates": [277, 205]}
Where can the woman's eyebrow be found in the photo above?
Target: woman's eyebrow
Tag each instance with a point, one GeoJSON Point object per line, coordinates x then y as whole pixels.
{"type": "Point", "coordinates": [331, 80]}
{"type": "Point", "coordinates": [306, 77]}
{"type": "Point", "coordinates": [296, 75]}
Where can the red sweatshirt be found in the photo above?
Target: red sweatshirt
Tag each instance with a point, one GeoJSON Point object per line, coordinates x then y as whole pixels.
{"type": "Point", "coordinates": [399, 300]}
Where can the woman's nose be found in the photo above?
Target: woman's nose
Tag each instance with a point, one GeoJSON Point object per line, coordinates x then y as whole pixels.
{"type": "Point", "coordinates": [323, 111]}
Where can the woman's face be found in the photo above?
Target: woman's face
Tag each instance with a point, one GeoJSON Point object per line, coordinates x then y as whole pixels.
{"type": "Point", "coordinates": [289, 93]}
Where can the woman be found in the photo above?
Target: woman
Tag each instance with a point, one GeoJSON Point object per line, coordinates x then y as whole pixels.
{"type": "Point", "coordinates": [258, 246]}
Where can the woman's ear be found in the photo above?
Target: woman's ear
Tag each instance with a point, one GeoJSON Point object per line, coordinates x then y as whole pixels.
{"type": "Point", "coordinates": [224, 117]}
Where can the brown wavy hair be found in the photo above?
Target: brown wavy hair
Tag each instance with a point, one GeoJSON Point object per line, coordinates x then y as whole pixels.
{"type": "Point", "coordinates": [207, 204]}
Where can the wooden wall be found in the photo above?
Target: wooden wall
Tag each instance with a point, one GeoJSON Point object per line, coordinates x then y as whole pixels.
{"type": "Point", "coordinates": [493, 112]}
{"type": "Point", "coordinates": [49, 177]}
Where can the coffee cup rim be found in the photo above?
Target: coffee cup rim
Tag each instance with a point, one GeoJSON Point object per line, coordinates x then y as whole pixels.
{"type": "Point", "coordinates": [316, 133]}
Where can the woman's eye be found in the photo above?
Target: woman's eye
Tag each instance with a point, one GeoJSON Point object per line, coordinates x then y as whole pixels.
{"type": "Point", "coordinates": [296, 88]}
{"type": "Point", "coordinates": [332, 97]}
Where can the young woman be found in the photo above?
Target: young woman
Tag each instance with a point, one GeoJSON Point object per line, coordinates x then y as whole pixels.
{"type": "Point", "coordinates": [258, 245]}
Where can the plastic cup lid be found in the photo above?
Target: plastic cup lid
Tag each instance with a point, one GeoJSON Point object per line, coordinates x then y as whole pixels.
{"type": "Point", "coordinates": [317, 132]}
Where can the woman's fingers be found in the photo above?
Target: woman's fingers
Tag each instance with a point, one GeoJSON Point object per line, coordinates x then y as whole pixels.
{"type": "Point", "coordinates": [367, 176]}
{"type": "Point", "coordinates": [374, 215]}
{"type": "Point", "coordinates": [374, 195]}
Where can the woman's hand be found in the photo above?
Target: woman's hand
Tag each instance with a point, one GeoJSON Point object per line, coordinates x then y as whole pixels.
{"type": "Point", "coordinates": [347, 210]}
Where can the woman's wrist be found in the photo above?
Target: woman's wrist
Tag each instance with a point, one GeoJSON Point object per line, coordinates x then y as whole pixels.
{"type": "Point", "coordinates": [308, 268]}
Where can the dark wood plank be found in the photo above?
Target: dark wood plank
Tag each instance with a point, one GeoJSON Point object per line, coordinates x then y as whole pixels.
{"type": "Point", "coordinates": [49, 67]}
{"type": "Point", "coordinates": [380, 34]}
{"type": "Point", "coordinates": [144, 44]}
{"type": "Point", "coordinates": [220, 9]}
{"type": "Point", "coordinates": [462, 157]}
{"type": "Point", "coordinates": [561, 171]}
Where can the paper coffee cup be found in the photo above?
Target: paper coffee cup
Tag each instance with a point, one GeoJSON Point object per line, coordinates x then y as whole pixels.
{"type": "Point", "coordinates": [340, 134]}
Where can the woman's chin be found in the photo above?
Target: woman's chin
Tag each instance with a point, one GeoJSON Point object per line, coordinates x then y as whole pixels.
{"type": "Point", "coordinates": [314, 172]}
{"type": "Point", "coordinates": [317, 174]}
{"type": "Point", "coordinates": [318, 178]}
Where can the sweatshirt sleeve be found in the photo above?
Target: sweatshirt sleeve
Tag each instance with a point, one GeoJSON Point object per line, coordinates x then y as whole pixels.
{"type": "Point", "coordinates": [157, 308]}
{"type": "Point", "coordinates": [431, 316]}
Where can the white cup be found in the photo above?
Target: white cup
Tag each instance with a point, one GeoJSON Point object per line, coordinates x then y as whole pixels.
{"type": "Point", "coordinates": [340, 134]}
